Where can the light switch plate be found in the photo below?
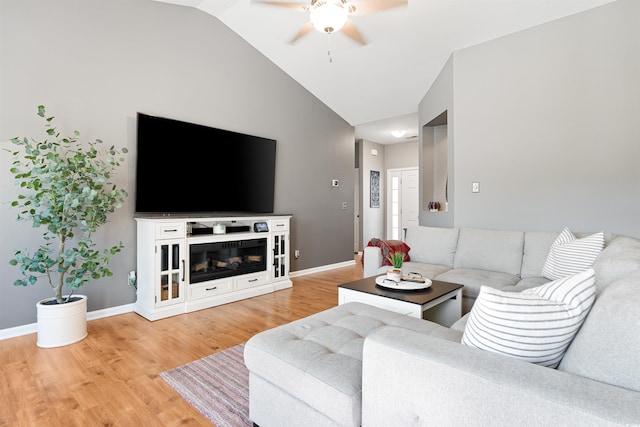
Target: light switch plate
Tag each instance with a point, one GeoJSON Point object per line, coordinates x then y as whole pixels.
{"type": "Point", "coordinates": [475, 187]}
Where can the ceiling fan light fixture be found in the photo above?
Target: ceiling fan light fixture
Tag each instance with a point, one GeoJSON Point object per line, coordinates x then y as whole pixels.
{"type": "Point", "coordinates": [398, 133]}
{"type": "Point", "coordinates": [329, 16]}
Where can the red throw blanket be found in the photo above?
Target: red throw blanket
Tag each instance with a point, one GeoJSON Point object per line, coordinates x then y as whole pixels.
{"type": "Point", "coordinates": [388, 247]}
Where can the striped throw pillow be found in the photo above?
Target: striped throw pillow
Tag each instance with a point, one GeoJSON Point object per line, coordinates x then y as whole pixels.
{"type": "Point", "coordinates": [536, 325]}
{"type": "Point", "coordinates": [569, 255]}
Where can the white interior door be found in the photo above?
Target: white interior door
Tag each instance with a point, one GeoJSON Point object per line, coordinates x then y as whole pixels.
{"type": "Point", "coordinates": [402, 203]}
{"type": "Point", "coordinates": [410, 199]}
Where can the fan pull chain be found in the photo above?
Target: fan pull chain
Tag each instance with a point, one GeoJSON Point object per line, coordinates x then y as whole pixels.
{"type": "Point", "coordinates": [329, 47]}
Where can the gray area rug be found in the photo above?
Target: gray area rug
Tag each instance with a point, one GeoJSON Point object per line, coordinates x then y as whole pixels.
{"type": "Point", "coordinates": [216, 385]}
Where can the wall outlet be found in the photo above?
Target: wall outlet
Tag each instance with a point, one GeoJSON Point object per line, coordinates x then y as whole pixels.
{"type": "Point", "coordinates": [335, 183]}
{"type": "Point", "coordinates": [296, 253]}
{"type": "Point", "coordinates": [132, 278]}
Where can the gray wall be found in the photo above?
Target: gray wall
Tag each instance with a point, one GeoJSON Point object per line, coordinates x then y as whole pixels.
{"type": "Point", "coordinates": [546, 121]}
{"type": "Point", "coordinates": [401, 155]}
{"type": "Point", "coordinates": [95, 63]}
{"type": "Point", "coordinates": [439, 98]}
{"type": "Point", "coordinates": [372, 219]}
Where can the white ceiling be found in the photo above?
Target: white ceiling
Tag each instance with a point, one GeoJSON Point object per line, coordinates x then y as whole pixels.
{"type": "Point", "coordinates": [377, 87]}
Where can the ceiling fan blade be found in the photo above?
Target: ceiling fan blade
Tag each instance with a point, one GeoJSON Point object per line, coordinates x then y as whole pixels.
{"type": "Point", "coordinates": [364, 7]}
{"type": "Point", "coordinates": [303, 32]}
{"type": "Point", "coordinates": [351, 31]}
{"type": "Point", "coordinates": [299, 6]}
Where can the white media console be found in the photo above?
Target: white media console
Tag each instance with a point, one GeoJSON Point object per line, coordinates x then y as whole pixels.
{"type": "Point", "coordinates": [191, 263]}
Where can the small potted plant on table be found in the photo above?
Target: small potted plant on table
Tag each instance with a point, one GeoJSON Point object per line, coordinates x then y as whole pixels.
{"type": "Point", "coordinates": [396, 259]}
{"type": "Point", "coordinates": [65, 190]}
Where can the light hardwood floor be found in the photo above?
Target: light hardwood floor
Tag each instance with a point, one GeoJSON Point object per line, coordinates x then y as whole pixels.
{"type": "Point", "coordinates": [111, 378]}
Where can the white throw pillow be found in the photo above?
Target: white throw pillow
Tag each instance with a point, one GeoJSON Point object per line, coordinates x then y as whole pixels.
{"type": "Point", "coordinates": [569, 255]}
{"type": "Point", "coordinates": [536, 325]}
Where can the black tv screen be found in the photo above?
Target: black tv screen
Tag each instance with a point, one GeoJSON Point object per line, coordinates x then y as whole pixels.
{"type": "Point", "coordinates": [189, 168]}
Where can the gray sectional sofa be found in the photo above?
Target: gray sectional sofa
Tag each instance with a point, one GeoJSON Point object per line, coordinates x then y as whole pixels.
{"type": "Point", "coordinates": [356, 364]}
{"type": "Point", "coordinates": [507, 260]}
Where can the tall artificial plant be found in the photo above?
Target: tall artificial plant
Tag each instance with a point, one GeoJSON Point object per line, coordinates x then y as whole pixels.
{"type": "Point", "coordinates": [65, 189]}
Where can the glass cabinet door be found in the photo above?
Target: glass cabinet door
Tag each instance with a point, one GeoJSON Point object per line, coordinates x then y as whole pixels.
{"type": "Point", "coordinates": [280, 255]}
{"type": "Point", "coordinates": [170, 281]}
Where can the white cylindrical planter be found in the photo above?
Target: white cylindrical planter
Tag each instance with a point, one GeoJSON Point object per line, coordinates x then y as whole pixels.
{"type": "Point", "coordinates": [394, 274]}
{"type": "Point", "coordinates": [62, 324]}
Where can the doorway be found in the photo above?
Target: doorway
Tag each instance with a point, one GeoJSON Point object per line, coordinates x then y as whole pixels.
{"type": "Point", "coordinates": [356, 212]}
{"type": "Point", "coordinates": [403, 201]}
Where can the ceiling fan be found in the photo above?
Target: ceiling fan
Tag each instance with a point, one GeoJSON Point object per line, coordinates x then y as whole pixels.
{"type": "Point", "coordinates": [332, 16]}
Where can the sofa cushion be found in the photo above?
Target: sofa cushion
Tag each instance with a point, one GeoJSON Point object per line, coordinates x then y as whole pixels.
{"type": "Point", "coordinates": [526, 283]}
{"type": "Point", "coordinates": [620, 258]}
{"type": "Point", "coordinates": [536, 249]}
{"type": "Point", "coordinates": [535, 325]}
{"type": "Point", "coordinates": [473, 279]}
{"type": "Point", "coordinates": [607, 348]}
{"type": "Point", "coordinates": [318, 359]}
{"type": "Point", "coordinates": [432, 245]}
{"type": "Point", "coordinates": [569, 255]}
{"type": "Point", "coordinates": [426, 270]}
{"type": "Point", "coordinates": [461, 323]}
{"type": "Point", "coordinates": [490, 250]}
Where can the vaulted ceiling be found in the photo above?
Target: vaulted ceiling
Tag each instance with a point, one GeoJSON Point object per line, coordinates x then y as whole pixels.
{"type": "Point", "coordinates": [377, 86]}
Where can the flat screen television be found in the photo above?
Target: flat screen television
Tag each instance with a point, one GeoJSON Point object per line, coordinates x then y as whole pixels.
{"type": "Point", "coordinates": [184, 168]}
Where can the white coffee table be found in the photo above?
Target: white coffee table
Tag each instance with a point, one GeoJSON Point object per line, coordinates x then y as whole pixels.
{"type": "Point", "coordinates": [440, 303]}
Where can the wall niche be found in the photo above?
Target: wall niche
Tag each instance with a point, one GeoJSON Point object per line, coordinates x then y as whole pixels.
{"type": "Point", "coordinates": [435, 164]}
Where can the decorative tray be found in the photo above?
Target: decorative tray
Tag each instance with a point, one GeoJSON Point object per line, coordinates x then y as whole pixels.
{"type": "Point", "coordinates": [402, 285]}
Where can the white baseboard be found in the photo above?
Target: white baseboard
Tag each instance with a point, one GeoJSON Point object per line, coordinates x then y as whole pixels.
{"type": "Point", "coordinates": [321, 268]}
{"type": "Point", "coordinates": [128, 308]}
{"type": "Point", "coordinates": [111, 311]}
{"type": "Point", "coordinates": [18, 331]}
{"type": "Point", "coordinates": [92, 315]}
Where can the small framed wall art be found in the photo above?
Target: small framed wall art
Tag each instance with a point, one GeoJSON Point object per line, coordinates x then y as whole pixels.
{"type": "Point", "coordinates": [375, 189]}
